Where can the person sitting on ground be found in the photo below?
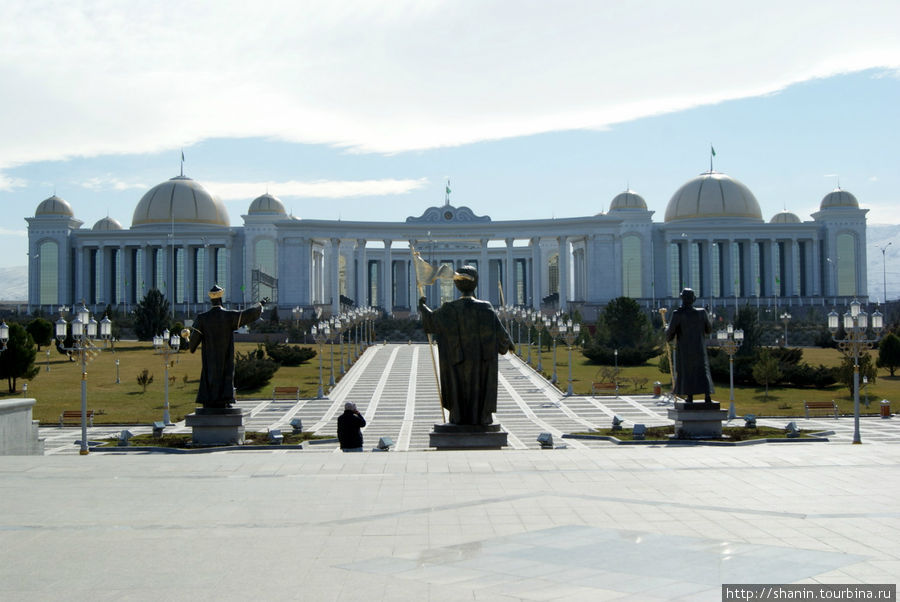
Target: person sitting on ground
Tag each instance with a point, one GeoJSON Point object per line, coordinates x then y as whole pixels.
{"type": "Point", "coordinates": [349, 425]}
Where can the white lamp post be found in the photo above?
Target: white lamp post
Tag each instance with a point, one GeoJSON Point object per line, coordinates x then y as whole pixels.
{"type": "Point", "coordinates": [730, 341]}
{"type": "Point", "coordinates": [84, 329]}
{"type": "Point", "coordinates": [165, 345]}
{"type": "Point", "coordinates": [785, 318]}
{"type": "Point", "coordinates": [854, 341]}
{"type": "Point", "coordinates": [4, 336]}
{"type": "Point", "coordinates": [319, 336]}
{"type": "Point", "coordinates": [570, 332]}
{"type": "Point", "coordinates": [539, 323]}
{"type": "Point", "coordinates": [554, 330]}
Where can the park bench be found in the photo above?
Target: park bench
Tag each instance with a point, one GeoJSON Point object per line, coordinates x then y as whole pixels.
{"type": "Point", "coordinates": [75, 416]}
{"type": "Point", "coordinates": [828, 406]}
{"type": "Point", "coordinates": [597, 388]}
{"type": "Point", "coordinates": [286, 393]}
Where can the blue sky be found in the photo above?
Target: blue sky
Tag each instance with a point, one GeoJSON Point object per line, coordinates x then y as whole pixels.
{"type": "Point", "coordinates": [361, 110]}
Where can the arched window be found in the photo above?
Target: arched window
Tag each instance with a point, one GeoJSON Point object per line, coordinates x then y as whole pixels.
{"type": "Point", "coordinates": [632, 267]}
{"type": "Point", "coordinates": [846, 265]}
{"type": "Point", "coordinates": [49, 276]}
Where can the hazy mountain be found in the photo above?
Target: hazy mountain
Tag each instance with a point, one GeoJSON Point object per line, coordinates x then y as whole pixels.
{"type": "Point", "coordinates": [14, 283]}
{"type": "Point", "coordinates": [886, 268]}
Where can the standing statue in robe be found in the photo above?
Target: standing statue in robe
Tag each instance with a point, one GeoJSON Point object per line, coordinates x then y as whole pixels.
{"type": "Point", "coordinates": [690, 326]}
{"type": "Point", "coordinates": [215, 329]}
{"type": "Point", "coordinates": [470, 338]}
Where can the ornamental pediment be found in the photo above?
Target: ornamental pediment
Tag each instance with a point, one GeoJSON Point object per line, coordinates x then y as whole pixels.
{"type": "Point", "coordinates": [447, 214]}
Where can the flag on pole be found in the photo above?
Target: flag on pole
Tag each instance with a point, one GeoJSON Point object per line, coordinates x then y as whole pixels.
{"type": "Point", "coordinates": [427, 274]}
{"type": "Point", "coordinates": [712, 150]}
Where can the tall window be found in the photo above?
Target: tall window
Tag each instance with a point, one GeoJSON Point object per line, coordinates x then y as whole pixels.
{"type": "Point", "coordinates": [521, 282]}
{"type": "Point", "coordinates": [718, 269]}
{"type": "Point", "coordinates": [846, 265]}
{"type": "Point", "coordinates": [222, 268]}
{"type": "Point", "coordinates": [264, 262]}
{"type": "Point", "coordinates": [159, 270]}
{"type": "Point", "coordinates": [676, 273]}
{"type": "Point", "coordinates": [199, 275]}
{"type": "Point", "coordinates": [447, 287]}
{"type": "Point", "coordinates": [342, 275]}
{"type": "Point", "coordinates": [632, 267]}
{"type": "Point", "coordinates": [49, 273]}
{"type": "Point", "coordinates": [553, 274]}
{"type": "Point", "coordinates": [179, 275]}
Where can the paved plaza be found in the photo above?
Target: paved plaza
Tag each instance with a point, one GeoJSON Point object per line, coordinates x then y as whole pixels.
{"type": "Point", "coordinates": [594, 521]}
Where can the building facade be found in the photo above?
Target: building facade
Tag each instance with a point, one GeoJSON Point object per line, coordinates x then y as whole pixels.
{"type": "Point", "coordinates": [713, 238]}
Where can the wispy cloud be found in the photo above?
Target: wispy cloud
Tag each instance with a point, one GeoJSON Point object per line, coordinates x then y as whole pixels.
{"type": "Point", "coordinates": [398, 76]}
{"type": "Point", "coordinates": [10, 232]}
{"type": "Point", "coordinates": [109, 182]}
{"type": "Point", "coordinates": [8, 184]}
{"type": "Point", "coordinates": [323, 189]}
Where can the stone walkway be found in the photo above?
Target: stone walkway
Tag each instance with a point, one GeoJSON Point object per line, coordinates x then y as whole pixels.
{"type": "Point", "coordinates": [593, 521]}
{"type": "Point", "coordinates": [394, 387]}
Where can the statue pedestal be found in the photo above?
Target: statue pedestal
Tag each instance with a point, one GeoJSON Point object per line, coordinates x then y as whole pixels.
{"type": "Point", "coordinates": [698, 420]}
{"type": "Point", "coordinates": [216, 426]}
{"type": "Point", "coordinates": [464, 436]}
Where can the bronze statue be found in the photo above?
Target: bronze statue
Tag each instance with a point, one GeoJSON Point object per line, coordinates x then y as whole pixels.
{"type": "Point", "coordinates": [690, 326]}
{"type": "Point", "coordinates": [469, 337]}
{"type": "Point", "coordinates": [215, 329]}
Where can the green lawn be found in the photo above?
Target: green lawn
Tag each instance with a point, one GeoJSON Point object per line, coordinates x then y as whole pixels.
{"type": "Point", "coordinates": [126, 403]}
{"type": "Point", "coordinates": [748, 400]}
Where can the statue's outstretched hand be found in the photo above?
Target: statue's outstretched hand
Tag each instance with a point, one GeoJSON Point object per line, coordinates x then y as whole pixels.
{"type": "Point", "coordinates": [422, 302]}
{"type": "Point", "coordinates": [263, 301]}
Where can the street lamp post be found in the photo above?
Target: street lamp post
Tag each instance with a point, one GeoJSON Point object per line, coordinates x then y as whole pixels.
{"type": "Point", "coordinates": [884, 270]}
{"type": "Point", "coordinates": [730, 341]}
{"type": "Point", "coordinates": [84, 330]}
{"type": "Point", "coordinates": [166, 345]}
{"type": "Point", "coordinates": [785, 318]}
{"type": "Point", "coordinates": [4, 336]}
{"type": "Point", "coordinates": [48, 360]}
{"type": "Point", "coordinates": [117, 372]}
{"type": "Point", "coordinates": [570, 332]}
{"type": "Point", "coordinates": [539, 323]}
{"type": "Point", "coordinates": [855, 327]}
{"type": "Point", "coordinates": [616, 360]}
{"type": "Point", "coordinates": [320, 335]}
{"type": "Point", "coordinates": [553, 329]}
{"type": "Point", "coordinates": [528, 320]}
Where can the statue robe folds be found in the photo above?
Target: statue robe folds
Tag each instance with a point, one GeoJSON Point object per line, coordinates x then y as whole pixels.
{"type": "Point", "coordinates": [215, 329]}
{"type": "Point", "coordinates": [690, 326]}
{"type": "Point", "coordinates": [470, 338]}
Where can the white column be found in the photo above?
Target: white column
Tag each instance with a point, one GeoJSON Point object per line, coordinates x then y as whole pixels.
{"type": "Point", "coordinates": [334, 268]}
{"type": "Point", "coordinates": [361, 273]}
{"type": "Point", "coordinates": [484, 274]}
{"type": "Point", "coordinates": [563, 272]}
{"type": "Point", "coordinates": [707, 270]}
{"type": "Point", "coordinates": [508, 274]}
{"type": "Point", "coordinates": [537, 266]}
{"type": "Point", "coordinates": [388, 273]}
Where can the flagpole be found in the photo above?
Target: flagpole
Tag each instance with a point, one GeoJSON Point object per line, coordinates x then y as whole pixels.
{"type": "Point", "coordinates": [437, 380]}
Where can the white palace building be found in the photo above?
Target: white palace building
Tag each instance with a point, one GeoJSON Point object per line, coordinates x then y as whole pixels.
{"type": "Point", "coordinates": [713, 238]}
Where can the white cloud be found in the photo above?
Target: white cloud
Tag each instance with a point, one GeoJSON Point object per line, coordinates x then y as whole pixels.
{"type": "Point", "coordinates": [108, 182]}
{"type": "Point", "coordinates": [11, 232]}
{"type": "Point", "coordinates": [397, 76]}
{"type": "Point", "coordinates": [328, 189]}
{"type": "Point", "coordinates": [7, 184]}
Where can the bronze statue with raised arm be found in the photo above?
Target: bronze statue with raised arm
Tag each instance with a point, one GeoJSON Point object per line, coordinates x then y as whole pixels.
{"type": "Point", "coordinates": [215, 329]}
